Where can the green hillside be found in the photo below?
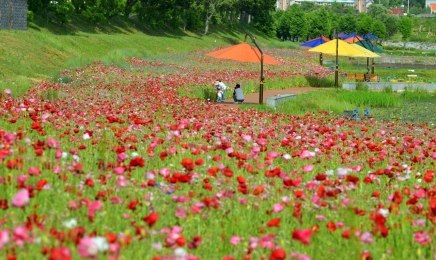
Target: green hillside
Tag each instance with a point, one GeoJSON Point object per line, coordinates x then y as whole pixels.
{"type": "Point", "coordinates": [45, 48]}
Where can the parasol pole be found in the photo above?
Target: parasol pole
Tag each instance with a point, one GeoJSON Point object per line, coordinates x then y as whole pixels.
{"type": "Point", "coordinates": [261, 67]}
{"type": "Point", "coordinates": [337, 66]}
{"type": "Point", "coordinates": [320, 54]}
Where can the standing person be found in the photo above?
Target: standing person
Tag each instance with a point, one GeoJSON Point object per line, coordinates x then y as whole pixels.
{"type": "Point", "coordinates": [238, 94]}
{"type": "Point", "coordinates": [223, 89]}
{"type": "Point", "coordinates": [219, 92]}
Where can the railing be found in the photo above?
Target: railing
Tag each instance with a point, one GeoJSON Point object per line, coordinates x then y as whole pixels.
{"type": "Point", "coordinates": [399, 61]}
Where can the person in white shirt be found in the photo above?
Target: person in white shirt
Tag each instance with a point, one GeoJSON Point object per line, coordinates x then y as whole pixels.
{"type": "Point", "coordinates": [238, 94]}
{"type": "Point", "coordinates": [223, 89]}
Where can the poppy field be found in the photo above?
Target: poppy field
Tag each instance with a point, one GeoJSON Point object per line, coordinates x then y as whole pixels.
{"type": "Point", "coordinates": [112, 163]}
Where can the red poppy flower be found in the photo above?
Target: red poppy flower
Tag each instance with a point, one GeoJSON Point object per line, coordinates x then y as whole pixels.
{"type": "Point", "coordinates": [278, 254]}
{"type": "Point", "coordinates": [274, 223]}
{"type": "Point", "coordinates": [151, 219]}
{"type": "Point", "coordinates": [302, 235]}
{"type": "Point", "coordinates": [188, 164]}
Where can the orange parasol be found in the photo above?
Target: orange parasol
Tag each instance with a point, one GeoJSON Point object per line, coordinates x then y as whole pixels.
{"type": "Point", "coordinates": [242, 52]}
{"type": "Point", "coordinates": [353, 39]}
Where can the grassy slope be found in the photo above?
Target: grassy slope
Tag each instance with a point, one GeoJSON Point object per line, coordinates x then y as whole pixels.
{"type": "Point", "coordinates": [45, 48]}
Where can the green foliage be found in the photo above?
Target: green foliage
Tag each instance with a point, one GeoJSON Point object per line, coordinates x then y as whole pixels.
{"type": "Point", "coordinates": [62, 10]}
{"type": "Point", "coordinates": [297, 22]}
{"type": "Point", "coordinates": [369, 98]}
{"type": "Point", "coordinates": [319, 23]}
{"type": "Point", "coordinates": [377, 11]}
{"type": "Point", "coordinates": [405, 26]}
{"type": "Point", "coordinates": [347, 23]}
{"type": "Point", "coordinates": [94, 14]}
{"type": "Point", "coordinates": [30, 16]}
{"type": "Point", "coordinates": [364, 24]}
{"type": "Point", "coordinates": [391, 24]}
{"type": "Point", "coordinates": [417, 95]}
{"type": "Point", "coordinates": [361, 87]}
{"type": "Point", "coordinates": [379, 29]}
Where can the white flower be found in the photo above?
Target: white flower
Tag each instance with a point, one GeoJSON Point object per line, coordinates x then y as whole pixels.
{"type": "Point", "coordinates": [70, 223]}
{"type": "Point", "coordinates": [76, 158]}
{"type": "Point", "coordinates": [85, 136]}
{"type": "Point", "coordinates": [134, 154]}
{"type": "Point", "coordinates": [101, 243]}
{"type": "Point", "coordinates": [286, 157]}
{"type": "Point", "coordinates": [329, 172]}
{"type": "Point", "coordinates": [64, 155]}
{"type": "Point", "coordinates": [180, 253]}
{"type": "Point", "coordinates": [383, 212]}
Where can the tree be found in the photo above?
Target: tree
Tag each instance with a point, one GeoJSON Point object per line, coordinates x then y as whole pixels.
{"type": "Point", "coordinates": [62, 10]}
{"type": "Point", "coordinates": [282, 18]}
{"type": "Point", "coordinates": [391, 23]}
{"type": "Point", "coordinates": [342, 9]}
{"type": "Point", "coordinates": [128, 7]}
{"type": "Point", "coordinates": [211, 8]}
{"type": "Point", "coordinates": [297, 22]}
{"type": "Point", "coordinates": [262, 16]}
{"type": "Point", "coordinates": [347, 24]}
{"type": "Point", "coordinates": [405, 26]}
{"type": "Point", "coordinates": [319, 23]}
{"type": "Point", "coordinates": [377, 10]}
{"type": "Point", "coordinates": [364, 24]}
{"type": "Point", "coordinates": [379, 29]}
{"type": "Point", "coordinates": [309, 6]}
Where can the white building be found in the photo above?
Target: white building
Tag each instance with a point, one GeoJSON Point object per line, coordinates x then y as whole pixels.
{"type": "Point", "coordinates": [360, 5]}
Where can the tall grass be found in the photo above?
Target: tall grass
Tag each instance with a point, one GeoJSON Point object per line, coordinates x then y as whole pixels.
{"type": "Point", "coordinates": [369, 98]}
{"type": "Point", "coordinates": [45, 49]}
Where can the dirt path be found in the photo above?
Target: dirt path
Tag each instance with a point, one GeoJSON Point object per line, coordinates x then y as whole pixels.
{"type": "Point", "coordinates": [254, 97]}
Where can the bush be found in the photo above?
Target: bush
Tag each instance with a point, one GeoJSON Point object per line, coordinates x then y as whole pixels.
{"type": "Point", "coordinates": [30, 16]}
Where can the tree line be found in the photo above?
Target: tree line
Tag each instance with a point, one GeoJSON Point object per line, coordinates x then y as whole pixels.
{"type": "Point", "coordinates": [297, 23]}
{"type": "Point", "coordinates": [188, 14]}
{"type": "Point", "coordinates": [301, 22]}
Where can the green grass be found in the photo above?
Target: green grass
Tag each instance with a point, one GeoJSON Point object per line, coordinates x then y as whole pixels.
{"type": "Point", "coordinates": [46, 48]}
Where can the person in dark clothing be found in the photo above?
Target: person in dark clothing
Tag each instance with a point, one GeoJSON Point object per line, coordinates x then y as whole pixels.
{"type": "Point", "coordinates": [238, 94]}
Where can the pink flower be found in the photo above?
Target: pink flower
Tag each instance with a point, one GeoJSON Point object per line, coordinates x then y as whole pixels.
{"type": "Point", "coordinates": [34, 171]}
{"type": "Point", "coordinates": [422, 237]}
{"type": "Point", "coordinates": [234, 240]}
{"type": "Point", "coordinates": [4, 238]}
{"type": "Point", "coordinates": [306, 154]}
{"type": "Point", "coordinates": [87, 248]}
{"type": "Point", "coordinates": [181, 213]}
{"type": "Point", "coordinates": [58, 154]}
{"type": "Point", "coordinates": [119, 170]}
{"type": "Point", "coordinates": [93, 207]}
{"type": "Point", "coordinates": [242, 200]}
{"type": "Point", "coordinates": [246, 137]}
{"type": "Point", "coordinates": [272, 155]}
{"type": "Point", "coordinates": [278, 207]}
{"type": "Point", "coordinates": [165, 172]}
{"type": "Point", "coordinates": [267, 242]}
{"type": "Point", "coordinates": [121, 157]}
{"type": "Point", "coordinates": [20, 236]}
{"type": "Point", "coordinates": [21, 199]}
{"type": "Point", "coordinates": [299, 256]}
{"type": "Point", "coordinates": [121, 182]}
{"type": "Point", "coordinates": [315, 199]}
{"type": "Point", "coordinates": [308, 168]}
{"type": "Point", "coordinates": [366, 237]}
{"type": "Point", "coordinates": [419, 222]}
{"type": "Point", "coordinates": [7, 91]}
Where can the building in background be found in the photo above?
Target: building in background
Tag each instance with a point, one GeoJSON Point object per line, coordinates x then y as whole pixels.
{"type": "Point", "coordinates": [361, 5]}
{"type": "Point", "coordinates": [13, 14]}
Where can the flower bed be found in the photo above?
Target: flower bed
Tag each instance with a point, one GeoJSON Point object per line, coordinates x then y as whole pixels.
{"type": "Point", "coordinates": [115, 164]}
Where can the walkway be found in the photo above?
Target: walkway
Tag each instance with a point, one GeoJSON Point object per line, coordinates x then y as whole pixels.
{"type": "Point", "coordinates": [254, 97]}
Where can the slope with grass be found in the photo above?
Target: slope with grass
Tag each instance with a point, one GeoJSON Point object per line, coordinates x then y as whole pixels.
{"type": "Point", "coordinates": [46, 48]}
